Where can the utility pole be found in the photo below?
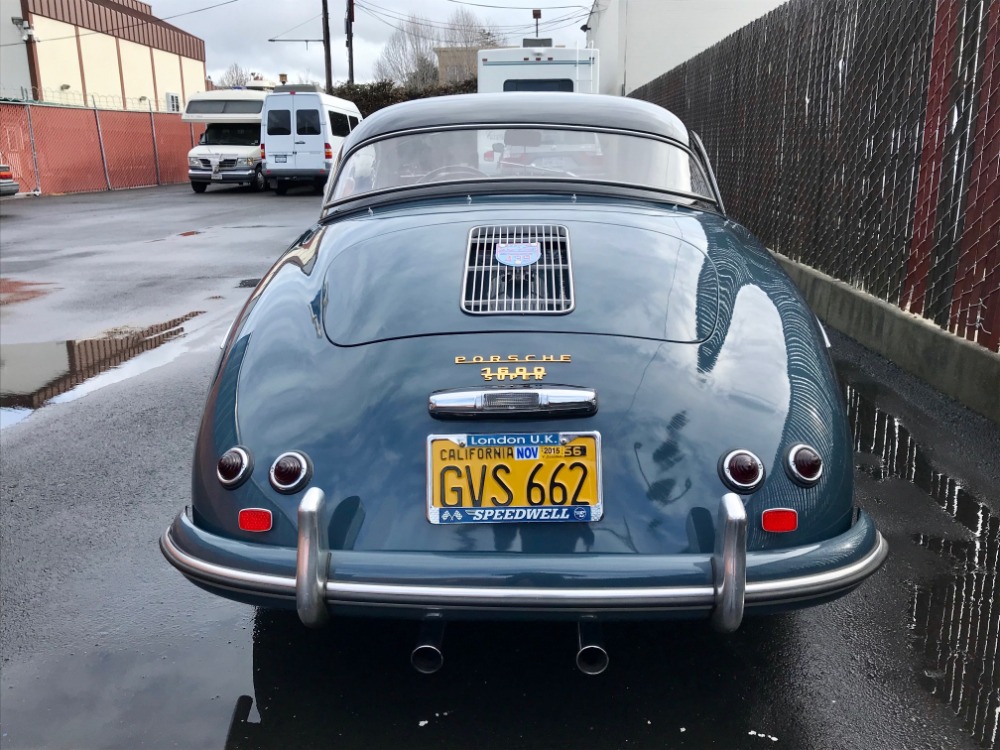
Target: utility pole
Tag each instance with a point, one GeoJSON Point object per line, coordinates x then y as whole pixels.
{"type": "Point", "coordinates": [349, 30]}
{"type": "Point", "coordinates": [326, 48]}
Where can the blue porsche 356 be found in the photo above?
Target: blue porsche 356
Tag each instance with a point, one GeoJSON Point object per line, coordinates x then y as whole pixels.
{"type": "Point", "coordinates": [525, 366]}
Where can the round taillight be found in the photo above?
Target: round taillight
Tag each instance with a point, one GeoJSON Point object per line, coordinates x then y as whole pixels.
{"type": "Point", "coordinates": [742, 471]}
{"type": "Point", "coordinates": [290, 472]}
{"type": "Point", "coordinates": [234, 467]}
{"type": "Point", "coordinates": [804, 464]}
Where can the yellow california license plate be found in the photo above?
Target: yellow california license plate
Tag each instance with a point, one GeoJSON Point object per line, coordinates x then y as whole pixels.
{"type": "Point", "coordinates": [514, 477]}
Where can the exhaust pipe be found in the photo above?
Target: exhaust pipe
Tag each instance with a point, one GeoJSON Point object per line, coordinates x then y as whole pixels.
{"type": "Point", "coordinates": [591, 657]}
{"type": "Point", "coordinates": [427, 657]}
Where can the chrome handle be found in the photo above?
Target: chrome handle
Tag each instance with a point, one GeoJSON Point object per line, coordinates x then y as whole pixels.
{"type": "Point", "coordinates": [483, 402]}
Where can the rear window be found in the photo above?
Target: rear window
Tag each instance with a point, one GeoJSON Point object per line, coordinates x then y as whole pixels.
{"type": "Point", "coordinates": [340, 126]}
{"type": "Point", "coordinates": [307, 121]}
{"type": "Point", "coordinates": [279, 122]}
{"type": "Point", "coordinates": [541, 84]}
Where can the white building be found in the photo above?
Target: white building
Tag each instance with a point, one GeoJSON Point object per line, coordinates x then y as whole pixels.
{"type": "Point", "coordinates": [640, 40]}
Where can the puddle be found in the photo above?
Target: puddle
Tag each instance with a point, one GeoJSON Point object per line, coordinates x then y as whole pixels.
{"type": "Point", "coordinates": [32, 375]}
{"type": "Point", "coordinates": [12, 292]}
{"type": "Point", "coordinates": [955, 619]}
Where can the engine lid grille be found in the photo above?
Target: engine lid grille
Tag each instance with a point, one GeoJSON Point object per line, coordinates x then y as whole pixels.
{"type": "Point", "coordinates": [544, 287]}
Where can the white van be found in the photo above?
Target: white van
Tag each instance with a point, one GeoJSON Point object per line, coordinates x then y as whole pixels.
{"type": "Point", "coordinates": [228, 152]}
{"type": "Point", "coordinates": [301, 131]}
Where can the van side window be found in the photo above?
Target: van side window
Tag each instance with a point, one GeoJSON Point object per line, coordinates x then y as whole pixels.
{"type": "Point", "coordinates": [353, 121]}
{"type": "Point", "coordinates": [307, 121]}
{"type": "Point", "coordinates": [339, 125]}
{"type": "Point", "coordinates": [279, 122]}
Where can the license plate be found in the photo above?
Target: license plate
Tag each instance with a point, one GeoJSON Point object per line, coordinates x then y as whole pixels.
{"type": "Point", "coordinates": [216, 176]}
{"type": "Point", "coordinates": [280, 159]}
{"type": "Point", "coordinates": [514, 478]}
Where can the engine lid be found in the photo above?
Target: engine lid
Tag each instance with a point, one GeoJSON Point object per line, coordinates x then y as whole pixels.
{"type": "Point", "coordinates": [569, 277]}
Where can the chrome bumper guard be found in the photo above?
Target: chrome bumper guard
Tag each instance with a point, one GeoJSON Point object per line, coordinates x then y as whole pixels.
{"type": "Point", "coordinates": [314, 590]}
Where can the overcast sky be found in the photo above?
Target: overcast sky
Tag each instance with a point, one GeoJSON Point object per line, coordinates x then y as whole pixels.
{"type": "Point", "coordinates": [238, 31]}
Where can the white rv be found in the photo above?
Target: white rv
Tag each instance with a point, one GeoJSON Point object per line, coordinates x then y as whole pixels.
{"type": "Point", "coordinates": [301, 132]}
{"type": "Point", "coordinates": [228, 152]}
{"type": "Point", "coordinates": [542, 69]}
{"type": "Point", "coordinates": [538, 69]}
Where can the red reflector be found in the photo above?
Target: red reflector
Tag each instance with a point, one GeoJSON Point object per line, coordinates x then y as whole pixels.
{"type": "Point", "coordinates": [487, 156]}
{"type": "Point", "coordinates": [779, 520]}
{"type": "Point", "coordinates": [255, 519]}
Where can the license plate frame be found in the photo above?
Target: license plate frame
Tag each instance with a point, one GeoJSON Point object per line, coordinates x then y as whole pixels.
{"type": "Point", "coordinates": [280, 158]}
{"type": "Point", "coordinates": [552, 449]}
{"type": "Point", "coordinates": [216, 175]}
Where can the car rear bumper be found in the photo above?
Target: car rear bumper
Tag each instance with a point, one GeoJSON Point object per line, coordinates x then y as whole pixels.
{"type": "Point", "coordinates": [721, 585]}
{"type": "Point", "coordinates": [296, 174]}
{"type": "Point", "coordinates": [228, 175]}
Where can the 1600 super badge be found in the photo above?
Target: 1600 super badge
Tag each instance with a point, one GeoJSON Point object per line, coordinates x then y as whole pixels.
{"type": "Point", "coordinates": [520, 477]}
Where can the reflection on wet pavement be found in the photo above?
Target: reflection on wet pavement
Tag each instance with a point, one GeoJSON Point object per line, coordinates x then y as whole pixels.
{"type": "Point", "coordinates": [32, 374]}
{"type": "Point", "coordinates": [12, 291]}
{"type": "Point", "coordinates": [956, 619]}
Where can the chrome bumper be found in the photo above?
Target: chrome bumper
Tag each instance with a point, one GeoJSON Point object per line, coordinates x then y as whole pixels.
{"type": "Point", "coordinates": [229, 175]}
{"type": "Point", "coordinates": [314, 590]}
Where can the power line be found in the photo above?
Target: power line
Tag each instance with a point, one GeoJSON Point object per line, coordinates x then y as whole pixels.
{"type": "Point", "coordinates": [308, 20]}
{"type": "Point", "coordinates": [425, 37]}
{"type": "Point", "coordinates": [551, 25]}
{"type": "Point", "coordinates": [517, 7]}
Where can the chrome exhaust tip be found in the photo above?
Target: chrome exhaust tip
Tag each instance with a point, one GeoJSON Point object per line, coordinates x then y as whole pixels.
{"type": "Point", "coordinates": [427, 657]}
{"type": "Point", "coordinates": [591, 656]}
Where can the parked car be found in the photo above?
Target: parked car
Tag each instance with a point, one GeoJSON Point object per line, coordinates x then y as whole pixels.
{"type": "Point", "coordinates": [8, 185]}
{"type": "Point", "coordinates": [533, 394]}
{"type": "Point", "coordinates": [301, 130]}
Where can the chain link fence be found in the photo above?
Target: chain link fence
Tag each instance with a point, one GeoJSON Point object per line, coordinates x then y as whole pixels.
{"type": "Point", "coordinates": [57, 149]}
{"type": "Point", "coordinates": [863, 139]}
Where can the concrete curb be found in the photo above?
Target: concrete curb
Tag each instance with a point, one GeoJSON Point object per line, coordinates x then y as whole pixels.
{"type": "Point", "coordinates": [965, 371]}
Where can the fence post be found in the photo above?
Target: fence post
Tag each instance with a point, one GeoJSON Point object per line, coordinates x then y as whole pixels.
{"type": "Point", "coordinates": [34, 151]}
{"type": "Point", "coordinates": [156, 152]}
{"type": "Point", "coordinates": [100, 141]}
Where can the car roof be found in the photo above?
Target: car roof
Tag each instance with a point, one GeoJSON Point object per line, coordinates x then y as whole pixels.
{"type": "Point", "coordinates": [530, 108]}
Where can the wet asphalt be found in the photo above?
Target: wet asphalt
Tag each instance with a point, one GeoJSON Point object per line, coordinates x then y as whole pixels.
{"type": "Point", "coordinates": [114, 304]}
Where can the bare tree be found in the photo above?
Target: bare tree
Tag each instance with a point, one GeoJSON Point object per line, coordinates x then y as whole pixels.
{"type": "Point", "coordinates": [413, 53]}
{"type": "Point", "coordinates": [408, 57]}
{"type": "Point", "coordinates": [465, 29]}
{"type": "Point", "coordinates": [466, 34]}
{"type": "Point", "coordinates": [233, 77]}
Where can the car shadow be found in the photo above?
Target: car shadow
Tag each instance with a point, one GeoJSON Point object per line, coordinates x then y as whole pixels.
{"type": "Point", "coordinates": [351, 685]}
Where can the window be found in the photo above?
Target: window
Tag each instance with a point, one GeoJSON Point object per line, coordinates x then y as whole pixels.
{"type": "Point", "coordinates": [307, 122]}
{"type": "Point", "coordinates": [231, 134]}
{"type": "Point", "coordinates": [243, 107]}
{"type": "Point", "coordinates": [279, 122]}
{"type": "Point", "coordinates": [339, 124]}
{"type": "Point", "coordinates": [219, 106]}
{"type": "Point", "coordinates": [173, 102]}
{"type": "Point", "coordinates": [541, 84]}
{"type": "Point", "coordinates": [353, 121]}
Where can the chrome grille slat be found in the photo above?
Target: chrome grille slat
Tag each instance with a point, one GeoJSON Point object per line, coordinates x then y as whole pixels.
{"type": "Point", "coordinates": [543, 288]}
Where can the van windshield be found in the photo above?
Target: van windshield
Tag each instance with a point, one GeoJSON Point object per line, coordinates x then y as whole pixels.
{"type": "Point", "coordinates": [231, 134]}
